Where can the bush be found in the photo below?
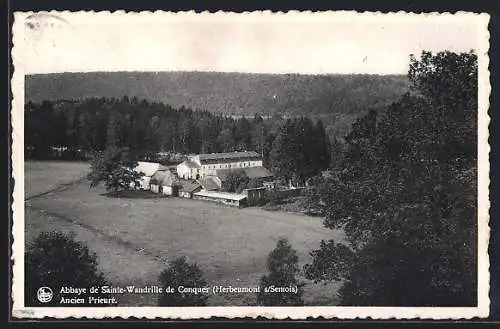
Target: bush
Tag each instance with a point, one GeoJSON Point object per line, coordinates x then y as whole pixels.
{"type": "Point", "coordinates": [283, 268]}
{"type": "Point", "coordinates": [236, 181]}
{"type": "Point", "coordinates": [56, 260]}
{"type": "Point", "coordinates": [180, 273]}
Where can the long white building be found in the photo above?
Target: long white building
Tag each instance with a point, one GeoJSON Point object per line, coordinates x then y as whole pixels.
{"type": "Point", "coordinates": [202, 165]}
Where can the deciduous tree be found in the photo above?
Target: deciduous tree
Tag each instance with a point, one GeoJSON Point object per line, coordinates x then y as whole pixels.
{"type": "Point", "coordinates": [180, 273]}
{"type": "Point", "coordinates": [114, 167]}
{"type": "Point", "coordinates": [282, 264]}
{"type": "Point", "coordinates": [405, 195]}
{"type": "Point", "coordinates": [56, 260]}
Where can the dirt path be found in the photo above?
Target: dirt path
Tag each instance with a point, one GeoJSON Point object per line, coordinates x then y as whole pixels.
{"type": "Point", "coordinates": [124, 243]}
{"type": "Point", "coordinates": [59, 188]}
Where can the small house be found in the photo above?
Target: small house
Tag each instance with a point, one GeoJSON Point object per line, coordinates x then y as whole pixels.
{"type": "Point", "coordinates": [188, 170]}
{"type": "Point", "coordinates": [188, 187]}
{"type": "Point", "coordinates": [148, 169]}
{"type": "Point", "coordinates": [165, 182]}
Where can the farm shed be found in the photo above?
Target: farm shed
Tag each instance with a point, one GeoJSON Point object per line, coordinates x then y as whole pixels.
{"type": "Point", "coordinates": [148, 169]}
{"type": "Point", "coordinates": [231, 199]}
{"type": "Point", "coordinates": [165, 182]}
{"type": "Point", "coordinates": [188, 187]}
{"type": "Point", "coordinates": [255, 195]}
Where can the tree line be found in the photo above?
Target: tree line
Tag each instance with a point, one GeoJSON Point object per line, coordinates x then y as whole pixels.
{"type": "Point", "coordinates": [295, 148]}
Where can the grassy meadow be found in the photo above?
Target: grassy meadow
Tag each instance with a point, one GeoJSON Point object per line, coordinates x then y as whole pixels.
{"type": "Point", "coordinates": [135, 238]}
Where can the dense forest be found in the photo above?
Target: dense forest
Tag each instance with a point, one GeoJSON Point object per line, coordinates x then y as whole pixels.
{"type": "Point", "coordinates": [237, 94]}
{"type": "Point", "coordinates": [75, 129]}
{"type": "Point", "coordinates": [193, 112]}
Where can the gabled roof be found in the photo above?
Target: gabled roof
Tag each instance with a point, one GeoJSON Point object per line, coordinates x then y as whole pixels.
{"type": "Point", "coordinates": [257, 172]}
{"type": "Point", "coordinates": [224, 173]}
{"type": "Point", "coordinates": [164, 177]}
{"type": "Point", "coordinates": [190, 164]}
{"type": "Point", "coordinates": [210, 183]}
{"type": "Point", "coordinates": [189, 185]}
{"type": "Point", "coordinates": [229, 156]}
{"type": "Point", "coordinates": [251, 172]}
{"type": "Point", "coordinates": [149, 168]}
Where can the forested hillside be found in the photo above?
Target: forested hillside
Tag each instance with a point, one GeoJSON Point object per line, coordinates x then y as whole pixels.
{"type": "Point", "coordinates": [228, 93]}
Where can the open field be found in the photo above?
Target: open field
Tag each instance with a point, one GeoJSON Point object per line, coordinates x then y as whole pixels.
{"type": "Point", "coordinates": [134, 238]}
{"type": "Point", "coordinates": [42, 176]}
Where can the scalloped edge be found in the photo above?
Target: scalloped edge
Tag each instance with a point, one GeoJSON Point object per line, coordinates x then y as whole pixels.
{"type": "Point", "coordinates": [295, 313]}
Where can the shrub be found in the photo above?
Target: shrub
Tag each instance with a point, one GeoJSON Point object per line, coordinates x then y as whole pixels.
{"type": "Point", "coordinates": [56, 260]}
{"type": "Point", "coordinates": [283, 268]}
{"type": "Point", "coordinates": [180, 273]}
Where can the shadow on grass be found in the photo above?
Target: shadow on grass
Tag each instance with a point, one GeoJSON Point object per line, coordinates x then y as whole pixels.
{"type": "Point", "coordinates": [134, 194]}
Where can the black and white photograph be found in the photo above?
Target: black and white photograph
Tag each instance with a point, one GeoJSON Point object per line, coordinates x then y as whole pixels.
{"type": "Point", "coordinates": [282, 165]}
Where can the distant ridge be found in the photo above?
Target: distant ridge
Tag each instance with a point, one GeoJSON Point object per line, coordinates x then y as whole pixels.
{"type": "Point", "coordinates": [240, 94]}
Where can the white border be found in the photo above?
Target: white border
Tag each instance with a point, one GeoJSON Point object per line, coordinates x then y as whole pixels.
{"type": "Point", "coordinates": [17, 112]}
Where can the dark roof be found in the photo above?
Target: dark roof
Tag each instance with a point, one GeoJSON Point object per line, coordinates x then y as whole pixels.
{"type": "Point", "coordinates": [209, 183]}
{"type": "Point", "coordinates": [251, 172]}
{"type": "Point", "coordinates": [164, 177]}
{"type": "Point", "coordinates": [223, 173]}
{"type": "Point", "coordinates": [191, 164]}
{"type": "Point", "coordinates": [257, 172]}
{"type": "Point", "coordinates": [189, 185]}
{"type": "Point", "coordinates": [229, 156]}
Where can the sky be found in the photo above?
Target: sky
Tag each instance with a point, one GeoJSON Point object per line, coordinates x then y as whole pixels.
{"type": "Point", "coordinates": [259, 42]}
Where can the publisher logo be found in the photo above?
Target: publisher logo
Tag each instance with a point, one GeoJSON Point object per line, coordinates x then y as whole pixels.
{"type": "Point", "coordinates": [44, 294]}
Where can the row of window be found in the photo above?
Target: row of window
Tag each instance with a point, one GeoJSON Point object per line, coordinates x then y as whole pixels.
{"type": "Point", "coordinates": [236, 165]}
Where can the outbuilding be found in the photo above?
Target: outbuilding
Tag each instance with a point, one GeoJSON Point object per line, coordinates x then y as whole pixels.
{"type": "Point", "coordinates": [255, 196]}
{"type": "Point", "coordinates": [188, 188]}
{"type": "Point", "coordinates": [148, 169]}
{"type": "Point", "coordinates": [164, 182]}
{"type": "Point", "coordinates": [230, 199]}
